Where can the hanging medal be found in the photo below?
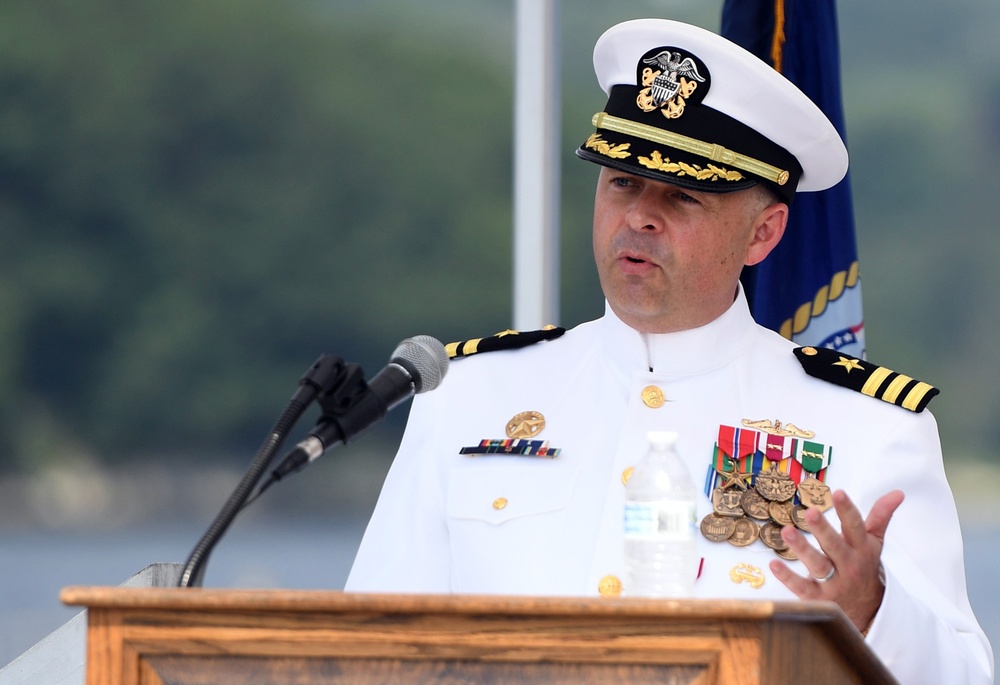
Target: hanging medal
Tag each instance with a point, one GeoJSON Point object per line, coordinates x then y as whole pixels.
{"type": "Point", "coordinates": [813, 492]}
{"type": "Point", "coordinates": [773, 485]}
{"type": "Point", "coordinates": [726, 497]}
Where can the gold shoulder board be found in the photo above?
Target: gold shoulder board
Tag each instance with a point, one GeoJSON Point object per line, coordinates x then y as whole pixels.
{"type": "Point", "coordinates": [868, 379]}
{"type": "Point", "coordinates": [504, 340]}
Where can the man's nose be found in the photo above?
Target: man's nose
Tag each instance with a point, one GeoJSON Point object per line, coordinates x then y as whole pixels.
{"type": "Point", "coordinates": [644, 213]}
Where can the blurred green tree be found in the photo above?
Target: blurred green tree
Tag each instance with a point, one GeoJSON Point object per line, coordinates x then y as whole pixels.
{"type": "Point", "coordinates": [199, 198]}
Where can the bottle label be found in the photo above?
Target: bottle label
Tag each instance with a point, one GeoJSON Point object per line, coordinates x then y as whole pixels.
{"type": "Point", "coordinates": [674, 521]}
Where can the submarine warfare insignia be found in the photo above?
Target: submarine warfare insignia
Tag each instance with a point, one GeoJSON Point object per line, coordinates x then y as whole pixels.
{"type": "Point", "coordinates": [763, 476]}
{"type": "Point", "coordinates": [789, 429]}
{"type": "Point", "coordinates": [868, 379]}
{"type": "Point", "coordinates": [520, 429]}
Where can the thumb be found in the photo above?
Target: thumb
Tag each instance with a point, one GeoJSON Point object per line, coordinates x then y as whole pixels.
{"type": "Point", "coordinates": [882, 511]}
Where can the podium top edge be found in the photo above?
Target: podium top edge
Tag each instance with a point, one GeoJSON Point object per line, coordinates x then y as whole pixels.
{"type": "Point", "coordinates": [318, 601]}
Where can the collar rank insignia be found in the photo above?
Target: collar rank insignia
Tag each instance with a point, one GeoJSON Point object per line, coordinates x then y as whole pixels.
{"type": "Point", "coordinates": [868, 379]}
{"type": "Point", "coordinates": [504, 340]}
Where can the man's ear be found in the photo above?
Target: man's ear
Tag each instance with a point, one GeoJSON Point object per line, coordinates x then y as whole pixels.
{"type": "Point", "coordinates": [769, 227]}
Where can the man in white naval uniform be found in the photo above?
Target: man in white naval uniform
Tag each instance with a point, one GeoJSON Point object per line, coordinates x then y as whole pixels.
{"type": "Point", "coordinates": [701, 148]}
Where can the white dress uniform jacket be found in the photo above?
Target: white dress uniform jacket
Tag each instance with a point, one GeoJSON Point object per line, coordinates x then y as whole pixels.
{"type": "Point", "coordinates": [435, 528]}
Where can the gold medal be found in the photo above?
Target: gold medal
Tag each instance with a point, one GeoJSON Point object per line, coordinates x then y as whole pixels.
{"type": "Point", "coordinates": [815, 494]}
{"type": "Point", "coordinates": [770, 535]}
{"type": "Point", "coordinates": [799, 519]}
{"type": "Point", "coordinates": [733, 479]}
{"type": "Point", "coordinates": [746, 533]}
{"type": "Point", "coordinates": [726, 501]}
{"type": "Point", "coordinates": [781, 512]}
{"type": "Point", "coordinates": [786, 554]}
{"type": "Point", "coordinates": [754, 505]}
{"type": "Point", "coordinates": [718, 528]}
{"type": "Point", "coordinates": [774, 485]}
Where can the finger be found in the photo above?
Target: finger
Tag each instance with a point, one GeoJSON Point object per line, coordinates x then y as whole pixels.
{"type": "Point", "coordinates": [803, 588]}
{"type": "Point", "coordinates": [881, 513]}
{"type": "Point", "coordinates": [827, 537]}
{"type": "Point", "coordinates": [852, 525]}
{"type": "Point", "coordinates": [815, 561]}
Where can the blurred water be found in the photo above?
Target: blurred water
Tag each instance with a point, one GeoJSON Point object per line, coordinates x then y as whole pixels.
{"type": "Point", "coordinates": [35, 566]}
{"type": "Point", "coordinates": [311, 554]}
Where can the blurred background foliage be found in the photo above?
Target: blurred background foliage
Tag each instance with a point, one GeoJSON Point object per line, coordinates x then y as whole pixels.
{"type": "Point", "coordinates": [198, 197]}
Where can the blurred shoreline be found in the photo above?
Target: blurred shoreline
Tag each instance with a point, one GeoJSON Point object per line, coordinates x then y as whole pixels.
{"type": "Point", "coordinates": [87, 497]}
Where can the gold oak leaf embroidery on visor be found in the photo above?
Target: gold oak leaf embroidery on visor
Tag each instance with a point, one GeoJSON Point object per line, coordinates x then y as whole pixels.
{"type": "Point", "coordinates": [595, 142]}
{"type": "Point", "coordinates": [657, 162]}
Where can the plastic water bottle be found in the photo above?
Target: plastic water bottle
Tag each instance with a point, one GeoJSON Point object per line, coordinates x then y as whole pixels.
{"type": "Point", "coordinates": [660, 523]}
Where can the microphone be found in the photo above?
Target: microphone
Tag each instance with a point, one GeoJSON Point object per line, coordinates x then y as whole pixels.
{"type": "Point", "coordinates": [417, 365]}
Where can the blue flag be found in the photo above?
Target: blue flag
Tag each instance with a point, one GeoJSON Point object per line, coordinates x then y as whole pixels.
{"type": "Point", "coordinates": [808, 289]}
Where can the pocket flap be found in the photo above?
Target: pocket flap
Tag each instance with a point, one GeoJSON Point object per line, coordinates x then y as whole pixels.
{"type": "Point", "coordinates": [504, 492]}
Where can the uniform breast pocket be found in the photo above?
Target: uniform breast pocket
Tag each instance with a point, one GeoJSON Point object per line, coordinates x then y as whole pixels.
{"type": "Point", "coordinates": [505, 522]}
{"type": "Point", "coordinates": [496, 495]}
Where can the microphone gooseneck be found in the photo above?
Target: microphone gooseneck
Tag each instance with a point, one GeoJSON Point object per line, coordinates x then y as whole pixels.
{"type": "Point", "coordinates": [320, 378]}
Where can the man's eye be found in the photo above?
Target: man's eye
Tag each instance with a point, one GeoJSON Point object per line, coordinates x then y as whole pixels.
{"type": "Point", "coordinates": [621, 181]}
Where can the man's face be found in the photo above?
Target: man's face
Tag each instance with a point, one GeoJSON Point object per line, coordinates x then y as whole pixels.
{"type": "Point", "coordinates": [669, 258]}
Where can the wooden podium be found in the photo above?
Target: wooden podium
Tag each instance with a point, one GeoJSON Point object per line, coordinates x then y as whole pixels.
{"type": "Point", "coordinates": [175, 636]}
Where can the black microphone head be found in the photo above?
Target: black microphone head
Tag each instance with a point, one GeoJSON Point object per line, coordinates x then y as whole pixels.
{"type": "Point", "coordinates": [424, 358]}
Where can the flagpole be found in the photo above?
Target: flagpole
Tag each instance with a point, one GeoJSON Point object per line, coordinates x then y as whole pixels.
{"type": "Point", "coordinates": [536, 164]}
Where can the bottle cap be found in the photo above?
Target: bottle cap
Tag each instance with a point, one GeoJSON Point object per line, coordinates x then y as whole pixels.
{"type": "Point", "coordinates": [661, 439]}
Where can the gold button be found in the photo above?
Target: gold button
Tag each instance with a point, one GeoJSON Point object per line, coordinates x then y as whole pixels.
{"type": "Point", "coordinates": [610, 586]}
{"type": "Point", "coordinates": [499, 503]}
{"type": "Point", "coordinates": [652, 397]}
{"type": "Point", "coordinates": [809, 351]}
{"type": "Point", "coordinates": [626, 474]}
